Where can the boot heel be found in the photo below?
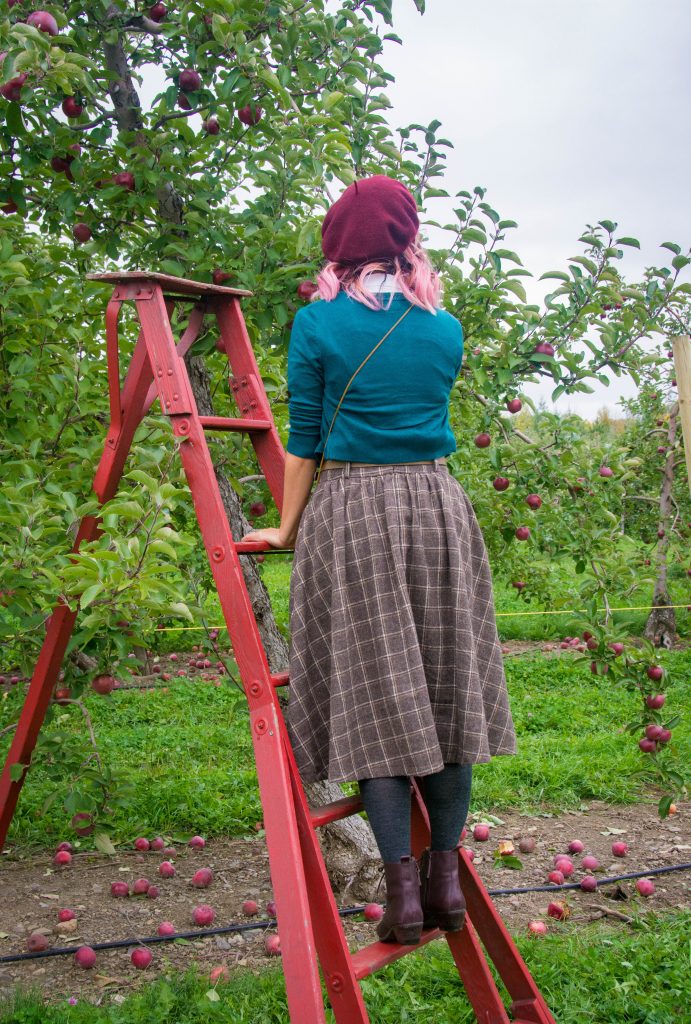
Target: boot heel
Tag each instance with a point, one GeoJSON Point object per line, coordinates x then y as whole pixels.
{"type": "Point", "coordinates": [408, 934]}
{"type": "Point", "coordinates": [451, 922]}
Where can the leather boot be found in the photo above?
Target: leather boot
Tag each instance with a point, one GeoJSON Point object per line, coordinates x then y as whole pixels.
{"type": "Point", "coordinates": [443, 903]}
{"type": "Point", "coordinates": [402, 921]}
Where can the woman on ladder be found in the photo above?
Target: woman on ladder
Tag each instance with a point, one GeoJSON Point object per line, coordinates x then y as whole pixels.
{"type": "Point", "coordinates": [395, 665]}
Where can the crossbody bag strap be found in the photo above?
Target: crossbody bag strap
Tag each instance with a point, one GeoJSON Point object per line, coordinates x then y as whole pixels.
{"type": "Point", "coordinates": [393, 328]}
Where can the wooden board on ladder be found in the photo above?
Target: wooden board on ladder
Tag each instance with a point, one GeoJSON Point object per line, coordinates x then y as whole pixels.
{"type": "Point", "coordinates": [311, 932]}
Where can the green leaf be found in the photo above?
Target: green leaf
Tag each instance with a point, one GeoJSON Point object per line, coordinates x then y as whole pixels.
{"type": "Point", "coordinates": [679, 262]}
{"type": "Point", "coordinates": [672, 246]}
{"type": "Point", "coordinates": [628, 241]}
{"type": "Point", "coordinates": [212, 995]}
{"type": "Point", "coordinates": [181, 609]}
{"type": "Point", "coordinates": [17, 771]}
{"type": "Point", "coordinates": [90, 594]}
{"type": "Point", "coordinates": [558, 275]}
{"type": "Point", "coordinates": [102, 842]}
{"type": "Point", "coordinates": [474, 235]}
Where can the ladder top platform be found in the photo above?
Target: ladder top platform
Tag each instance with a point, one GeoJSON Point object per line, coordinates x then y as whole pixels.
{"type": "Point", "coordinates": [171, 285]}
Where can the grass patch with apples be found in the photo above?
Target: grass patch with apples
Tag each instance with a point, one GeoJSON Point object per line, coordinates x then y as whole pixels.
{"type": "Point", "coordinates": [187, 757]}
{"type": "Point", "coordinates": [595, 974]}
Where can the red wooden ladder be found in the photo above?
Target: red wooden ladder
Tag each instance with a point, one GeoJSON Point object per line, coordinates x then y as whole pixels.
{"type": "Point", "coordinates": [308, 920]}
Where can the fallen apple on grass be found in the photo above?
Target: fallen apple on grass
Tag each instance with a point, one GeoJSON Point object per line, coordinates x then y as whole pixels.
{"type": "Point", "coordinates": [197, 843]}
{"type": "Point", "coordinates": [202, 878]}
{"type": "Point", "coordinates": [481, 833]}
{"type": "Point", "coordinates": [140, 886]}
{"type": "Point", "coordinates": [203, 915]}
{"type": "Point", "coordinates": [66, 915]}
{"type": "Point", "coordinates": [559, 910]}
{"type": "Point", "coordinates": [589, 883]}
{"type": "Point", "coordinates": [62, 858]}
{"type": "Point", "coordinates": [645, 887]}
{"type": "Point", "coordinates": [141, 957]}
{"type": "Point", "coordinates": [590, 863]}
{"type": "Point", "coordinates": [119, 889]}
{"type": "Point", "coordinates": [37, 942]}
{"type": "Point", "coordinates": [272, 945]}
{"type": "Point", "coordinates": [373, 912]}
{"type": "Point", "coordinates": [142, 844]}
{"type": "Point", "coordinates": [250, 908]}
{"type": "Point", "coordinates": [166, 928]}
{"type": "Point", "coordinates": [85, 957]}
{"type": "Point", "coordinates": [537, 927]}
{"type": "Point", "coordinates": [166, 869]}
{"type": "Point", "coordinates": [527, 844]}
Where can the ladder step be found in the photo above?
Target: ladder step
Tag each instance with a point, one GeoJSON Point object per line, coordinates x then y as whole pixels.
{"type": "Point", "coordinates": [335, 811]}
{"type": "Point", "coordinates": [379, 954]}
{"type": "Point", "coordinates": [229, 423]}
{"type": "Point", "coordinates": [280, 679]}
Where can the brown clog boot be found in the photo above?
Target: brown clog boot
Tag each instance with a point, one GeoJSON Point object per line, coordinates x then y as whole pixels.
{"type": "Point", "coordinates": [443, 903]}
{"type": "Point", "coordinates": [402, 921]}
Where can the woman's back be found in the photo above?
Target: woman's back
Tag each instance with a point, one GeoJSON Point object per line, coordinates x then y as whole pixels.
{"type": "Point", "coordinates": [396, 408]}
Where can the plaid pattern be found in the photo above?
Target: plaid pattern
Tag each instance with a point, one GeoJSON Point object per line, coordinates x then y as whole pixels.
{"type": "Point", "coordinates": [395, 663]}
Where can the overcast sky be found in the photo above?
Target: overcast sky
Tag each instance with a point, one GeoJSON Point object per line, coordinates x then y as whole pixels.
{"type": "Point", "coordinates": [567, 113]}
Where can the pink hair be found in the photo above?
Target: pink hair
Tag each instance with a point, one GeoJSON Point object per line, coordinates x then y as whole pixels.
{"type": "Point", "coordinates": [415, 276]}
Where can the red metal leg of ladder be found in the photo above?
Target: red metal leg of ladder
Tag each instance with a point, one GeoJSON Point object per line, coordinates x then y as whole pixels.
{"type": "Point", "coordinates": [482, 917]}
{"type": "Point", "coordinates": [303, 986]}
{"type": "Point", "coordinates": [45, 675]}
{"type": "Point", "coordinates": [249, 393]}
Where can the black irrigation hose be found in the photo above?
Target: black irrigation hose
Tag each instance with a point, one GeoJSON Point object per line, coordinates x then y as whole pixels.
{"type": "Point", "coordinates": [263, 925]}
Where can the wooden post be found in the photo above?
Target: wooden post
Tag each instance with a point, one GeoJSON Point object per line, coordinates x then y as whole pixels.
{"type": "Point", "coordinates": [681, 347]}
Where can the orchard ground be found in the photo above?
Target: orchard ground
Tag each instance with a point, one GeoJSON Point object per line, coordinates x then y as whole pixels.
{"type": "Point", "coordinates": [183, 746]}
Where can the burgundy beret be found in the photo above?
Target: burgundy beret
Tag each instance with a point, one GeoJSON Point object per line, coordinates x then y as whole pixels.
{"type": "Point", "coordinates": [374, 218]}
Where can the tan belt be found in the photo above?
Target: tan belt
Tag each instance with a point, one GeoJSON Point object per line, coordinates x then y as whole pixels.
{"type": "Point", "coordinates": [338, 464]}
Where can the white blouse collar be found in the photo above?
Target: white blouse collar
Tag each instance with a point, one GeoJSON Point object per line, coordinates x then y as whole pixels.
{"type": "Point", "coordinates": [378, 281]}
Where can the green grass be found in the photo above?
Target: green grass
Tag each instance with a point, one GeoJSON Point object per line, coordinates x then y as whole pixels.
{"type": "Point", "coordinates": [595, 974]}
{"type": "Point", "coordinates": [188, 756]}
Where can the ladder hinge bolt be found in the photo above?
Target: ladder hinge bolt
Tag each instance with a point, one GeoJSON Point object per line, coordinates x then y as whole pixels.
{"type": "Point", "coordinates": [256, 689]}
{"type": "Point", "coordinates": [160, 373]}
{"type": "Point", "coordinates": [169, 372]}
{"type": "Point", "coordinates": [261, 726]}
{"type": "Point", "coordinates": [336, 981]}
{"type": "Point", "coordinates": [183, 426]}
{"type": "Point", "coordinates": [218, 554]}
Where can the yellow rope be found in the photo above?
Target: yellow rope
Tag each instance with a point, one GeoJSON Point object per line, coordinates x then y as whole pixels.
{"type": "Point", "coordinates": [567, 611]}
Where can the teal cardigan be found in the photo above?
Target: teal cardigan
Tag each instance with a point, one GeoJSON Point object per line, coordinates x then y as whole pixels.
{"type": "Point", "coordinates": [397, 407]}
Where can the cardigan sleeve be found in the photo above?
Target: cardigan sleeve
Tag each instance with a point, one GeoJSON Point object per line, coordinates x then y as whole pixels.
{"type": "Point", "coordinates": [305, 391]}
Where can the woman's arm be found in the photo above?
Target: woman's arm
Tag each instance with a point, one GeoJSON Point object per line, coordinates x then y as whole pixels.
{"type": "Point", "coordinates": [297, 484]}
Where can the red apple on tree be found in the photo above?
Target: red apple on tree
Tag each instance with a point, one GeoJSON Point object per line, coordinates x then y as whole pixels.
{"type": "Point", "coordinates": [211, 126]}
{"type": "Point", "coordinates": [522, 533]}
{"type": "Point", "coordinates": [71, 107]}
{"type": "Point", "coordinates": [605, 471]}
{"type": "Point", "coordinates": [103, 684]}
{"type": "Point", "coordinates": [44, 22]}
{"type": "Point", "coordinates": [534, 500]}
{"type": "Point", "coordinates": [125, 179]}
{"type": "Point", "coordinates": [12, 90]}
{"type": "Point", "coordinates": [544, 348]}
{"type": "Point", "coordinates": [655, 672]}
{"type": "Point", "coordinates": [250, 114]}
{"type": "Point", "coordinates": [514, 405]}
{"type": "Point", "coordinates": [655, 701]}
{"type": "Point", "coordinates": [183, 102]}
{"type": "Point", "coordinates": [158, 12]}
{"type": "Point", "coordinates": [483, 440]}
{"type": "Point", "coordinates": [190, 80]}
{"type": "Point", "coordinates": [306, 289]}
{"type": "Point", "coordinates": [500, 483]}
{"type": "Point", "coordinates": [82, 232]}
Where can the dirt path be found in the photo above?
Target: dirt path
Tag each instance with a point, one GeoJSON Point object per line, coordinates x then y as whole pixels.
{"type": "Point", "coordinates": [32, 890]}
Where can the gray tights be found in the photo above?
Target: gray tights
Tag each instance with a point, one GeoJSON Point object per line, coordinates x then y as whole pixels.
{"type": "Point", "coordinates": [387, 803]}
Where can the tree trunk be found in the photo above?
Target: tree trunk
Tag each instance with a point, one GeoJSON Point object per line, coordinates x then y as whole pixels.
{"type": "Point", "coordinates": [351, 854]}
{"type": "Point", "coordinates": [661, 626]}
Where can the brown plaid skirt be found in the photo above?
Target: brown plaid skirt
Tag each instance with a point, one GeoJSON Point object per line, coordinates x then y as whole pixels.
{"type": "Point", "coordinates": [395, 663]}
